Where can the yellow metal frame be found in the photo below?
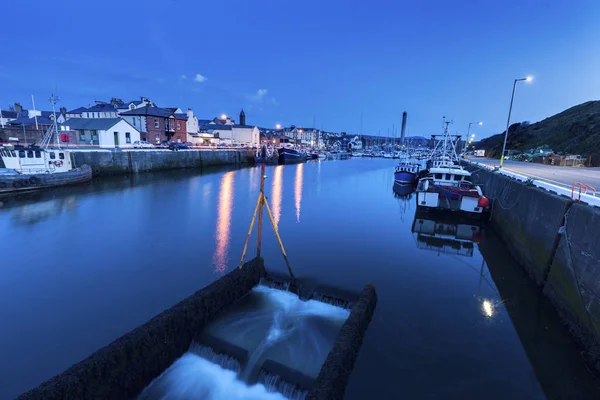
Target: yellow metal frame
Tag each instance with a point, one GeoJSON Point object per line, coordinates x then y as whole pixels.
{"type": "Point", "coordinates": [262, 200]}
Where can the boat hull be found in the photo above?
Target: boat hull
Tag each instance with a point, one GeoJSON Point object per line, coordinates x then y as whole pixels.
{"type": "Point", "coordinates": [287, 156]}
{"type": "Point", "coordinates": [405, 177]}
{"type": "Point", "coordinates": [28, 182]}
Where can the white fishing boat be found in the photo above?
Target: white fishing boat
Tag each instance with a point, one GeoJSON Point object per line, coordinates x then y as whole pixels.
{"type": "Point", "coordinates": [38, 167]}
{"type": "Point", "coordinates": [357, 154]}
{"type": "Point", "coordinates": [447, 185]}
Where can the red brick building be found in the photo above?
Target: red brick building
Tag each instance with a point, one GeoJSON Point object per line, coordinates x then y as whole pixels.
{"type": "Point", "coordinates": [156, 125]}
{"type": "Point", "coordinates": [180, 121]}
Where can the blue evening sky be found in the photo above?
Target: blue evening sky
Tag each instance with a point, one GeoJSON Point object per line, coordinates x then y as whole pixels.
{"type": "Point", "coordinates": [288, 61]}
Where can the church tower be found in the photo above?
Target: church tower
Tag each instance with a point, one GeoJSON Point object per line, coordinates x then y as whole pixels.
{"type": "Point", "coordinates": [242, 117]}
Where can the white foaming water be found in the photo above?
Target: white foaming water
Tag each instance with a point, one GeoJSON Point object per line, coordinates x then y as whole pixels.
{"type": "Point", "coordinates": [290, 303]}
{"type": "Point", "coordinates": [193, 377]}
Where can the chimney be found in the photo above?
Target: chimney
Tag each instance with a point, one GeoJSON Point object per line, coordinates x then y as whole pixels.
{"type": "Point", "coordinates": [18, 107]}
{"type": "Point", "coordinates": [403, 127]}
{"type": "Point", "coordinates": [242, 117]}
{"type": "Point", "coordinates": [63, 110]}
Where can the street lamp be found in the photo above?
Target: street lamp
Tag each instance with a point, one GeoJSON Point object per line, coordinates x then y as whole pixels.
{"type": "Point", "coordinates": [469, 131]}
{"type": "Point", "coordinates": [223, 116]}
{"type": "Point", "coordinates": [278, 126]}
{"type": "Point", "coordinates": [512, 98]}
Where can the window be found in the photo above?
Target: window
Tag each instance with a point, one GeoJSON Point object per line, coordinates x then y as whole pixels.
{"type": "Point", "coordinates": [178, 139]}
{"type": "Point", "coordinates": [21, 154]}
{"type": "Point", "coordinates": [156, 123]}
{"type": "Point", "coordinates": [457, 177]}
{"type": "Point", "coordinates": [157, 139]}
{"type": "Point", "coordinates": [30, 154]}
{"type": "Point", "coordinates": [134, 124]}
{"type": "Point", "coordinates": [438, 176]}
{"type": "Point", "coordinates": [178, 125]}
{"type": "Point", "coordinates": [127, 137]}
{"type": "Point", "coordinates": [61, 156]}
{"type": "Point", "coordinates": [38, 154]}
{"type": "Point", "coordinates": [81, 136]}
{"type": "Point", "coordinates": [12, 152]}
{"type": "Point", "coordinates": [52, 155]}
{"type": "Point", "coordinates": [132, 106]}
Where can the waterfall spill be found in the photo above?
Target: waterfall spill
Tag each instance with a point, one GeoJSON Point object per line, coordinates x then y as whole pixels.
{"type": "Point", "coordinates": [276, 328]}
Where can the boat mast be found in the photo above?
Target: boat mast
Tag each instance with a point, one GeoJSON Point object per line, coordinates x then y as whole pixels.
{"type": "Point", "coordinates": [53, 100]}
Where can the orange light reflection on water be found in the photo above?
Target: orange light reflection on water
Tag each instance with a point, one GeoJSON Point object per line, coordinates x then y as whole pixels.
{"type": "Point", "coordinates": [223, 234]}
{"type": "Point", "coordinates": [277, 192]}
{"type": "Point", "coordinates": [298, 189]}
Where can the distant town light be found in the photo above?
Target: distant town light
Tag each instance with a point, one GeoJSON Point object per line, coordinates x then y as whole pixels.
{"type": "Point", "coordinates": [274, 141]}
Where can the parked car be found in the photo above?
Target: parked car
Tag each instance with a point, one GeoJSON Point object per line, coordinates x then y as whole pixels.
{"type": "Point", "coordinates": [178, 146]}
{"type": "Point", "coordinates": [142, 144]}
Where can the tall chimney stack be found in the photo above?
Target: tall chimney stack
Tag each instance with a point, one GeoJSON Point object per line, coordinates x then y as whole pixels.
{"type": "Point", "coordinates": [403, 127]}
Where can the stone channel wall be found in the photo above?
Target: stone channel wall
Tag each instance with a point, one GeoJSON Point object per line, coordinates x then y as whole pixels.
{"type": "Point", "coordinates": [556, 241]}
{"type": "Point", "coordinates": [126, 162]}
{"type": "Point", "coordinates": [125, 367]}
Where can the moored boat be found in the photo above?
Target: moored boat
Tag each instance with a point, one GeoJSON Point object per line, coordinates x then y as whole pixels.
{"type": "Point", "coordinates": [32, 168]}
{"type": "Point", "coordinates": [406, 173]}
{"type": "Point", "coordinates": [287, 156]}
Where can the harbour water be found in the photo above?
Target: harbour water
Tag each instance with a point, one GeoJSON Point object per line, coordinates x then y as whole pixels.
{"type": "Point", "coordinates": [455, 318]}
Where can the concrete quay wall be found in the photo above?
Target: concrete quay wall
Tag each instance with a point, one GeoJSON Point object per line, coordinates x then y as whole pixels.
{"type": "Point", "coordinates": [126, 162]}
{"type": "Point", "coordinates": [557, 241]}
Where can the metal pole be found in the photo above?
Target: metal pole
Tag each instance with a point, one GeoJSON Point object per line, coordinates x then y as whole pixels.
{"type": "Point", "coordinates": [34, 115]}
{"type": "Point", "coordinates": [512, 98]}
{"type": "Point", "coordinates": [250, 230]}
{"type": "Point", "coordinates": [287, 262]}
{"type": "Point", "coordinates": [260, 210]}
{"type": "Point", "coordinates": [24, 134]}
{"type": "Point", "coordinates": [467, 138]}
{"type": "Point", "coordinates": [1, 118]}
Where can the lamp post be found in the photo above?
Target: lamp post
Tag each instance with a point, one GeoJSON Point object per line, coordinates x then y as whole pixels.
{"type": "Point", "coordinates": [512, 98]}
{"type": "Point", "coordinates": [469, 131]}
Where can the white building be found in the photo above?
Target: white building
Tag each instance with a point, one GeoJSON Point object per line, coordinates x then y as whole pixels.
{"type": "Point", "coordinates": [246, 135]}
{"type": "Point", "coordinates": [356, 143]}
{"type": "Point", "coordinates": [103, 132]}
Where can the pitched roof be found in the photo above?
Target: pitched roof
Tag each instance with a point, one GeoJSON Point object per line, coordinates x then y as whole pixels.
{"type": "Point", "coordinates": [203, 122]}
{"type": "Point", "coordinates": [244, 126]}
{"type": "Point", "coordinates": [99, 124]}
{"type": "Point", "coordinates": [41, 120]}
{"type": "Point", "coordinates": [218, 127]}
{"type": "Point", "coordinates": [149, 111]}
{"type": "Point", "coordinates": [102, 108]}
{"type": "Point", "coordinates": [9, 114]}
{"type": "Point", "coordinates": [181, 116]}
{"type": "Point", "coordinates": [77, 110]}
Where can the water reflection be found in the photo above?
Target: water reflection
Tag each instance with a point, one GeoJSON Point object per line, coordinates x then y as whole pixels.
{"type": "Point", "coordinates": [444, 233]}
{"type": "Point", "coordinates": [36, 212]}
{"type": "Point", "coordinates": [277, 193]}
{"type": "Point", "coordinates": [298, 189]}
{"type": "Point", "coordinates": [223, 234]}
{"type": "Point", "coordinates": [405, 195]}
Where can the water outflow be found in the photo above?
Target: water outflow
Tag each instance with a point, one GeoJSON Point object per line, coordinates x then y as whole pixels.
{"type": "Point", "coordinates": [290, 322]}
{"type": "Point", "coordinates": [194, 377]}
{"type": "Point", "coordinates": [274, 383]}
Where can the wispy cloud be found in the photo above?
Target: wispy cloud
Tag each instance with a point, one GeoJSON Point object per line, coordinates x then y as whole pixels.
{"type": "Point", "coordinates": [200, 78]}
{"type": "Point", "coordinates": [258, 96]}
{"type": "Point", "coordinates": [183, 77]}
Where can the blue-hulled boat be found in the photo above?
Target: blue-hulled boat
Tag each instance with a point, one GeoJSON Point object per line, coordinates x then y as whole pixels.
{"type": "Point", "coordinates": [287, 156]}
{"type": "Point", "coordinates": [406, 173]}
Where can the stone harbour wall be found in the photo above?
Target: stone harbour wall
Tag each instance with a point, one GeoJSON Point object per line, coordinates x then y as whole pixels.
{"type": "Point", "coordinates": [125, 367]}
{"type": "Point", "coordinates": [556, 240]}
{"type": "Point", "coordinates": [334, 375]}
{"type": "Point", "coordinates": [126, 162]}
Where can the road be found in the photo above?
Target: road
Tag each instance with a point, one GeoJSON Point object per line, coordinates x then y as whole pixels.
{"type": "Point", "coordinates": [560, 176]}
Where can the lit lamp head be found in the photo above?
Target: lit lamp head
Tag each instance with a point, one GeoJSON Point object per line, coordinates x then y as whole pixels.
{"type": "Point", "coordinates": [223, 116]}
{"type": "Point", "coordinates": [529, 78]}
